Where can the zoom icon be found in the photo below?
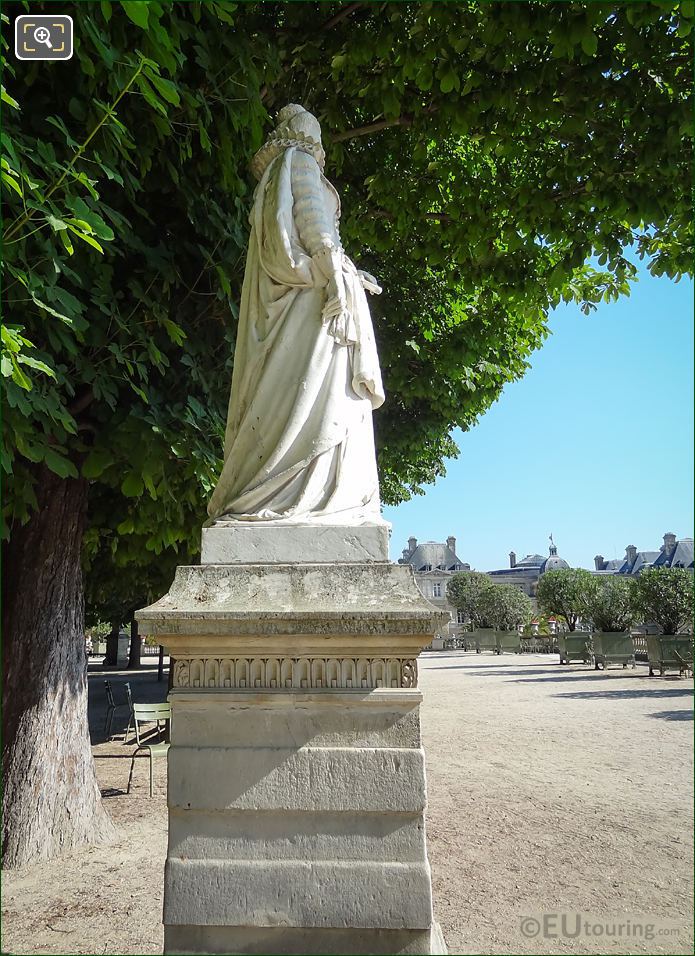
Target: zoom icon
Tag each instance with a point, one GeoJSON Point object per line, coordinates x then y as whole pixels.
{"type": "Point", "coordinates": [42, 37]}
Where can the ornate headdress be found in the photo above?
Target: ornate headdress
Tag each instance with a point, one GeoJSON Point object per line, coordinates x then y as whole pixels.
{"type": "Point", "coordinates": [295, 127]}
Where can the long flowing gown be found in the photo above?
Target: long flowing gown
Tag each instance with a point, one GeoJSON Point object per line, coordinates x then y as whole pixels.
{"type": "Point", "coordinates": [299, 443]}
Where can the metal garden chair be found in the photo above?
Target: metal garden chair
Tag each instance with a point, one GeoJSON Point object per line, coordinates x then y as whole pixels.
{"type": "Point", "coordinates": [129, 698]}
{"type": "Point", "coordinates": [148, 714]}
{"type": "Point", "coordinates": [111, 708]}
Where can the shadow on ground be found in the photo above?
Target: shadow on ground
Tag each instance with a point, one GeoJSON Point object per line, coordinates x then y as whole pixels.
{"type": "Point", "coordinates": [679, 715]}
{"type": "Point", "coordinates": [657, 692]}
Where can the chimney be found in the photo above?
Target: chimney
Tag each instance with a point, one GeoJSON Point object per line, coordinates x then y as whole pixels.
{"type": "Point", "coordinates": [405, 555]}
{"type": "Point", "coordinates": [598, 562]}
{"type": "Point", "coordinates": [630, 554]}
{"type": "Point", "coordinates": [412, 544]}
{"type": "Point", "coordinates": [512, 559]}
{"type": "Point", "coordinates": [669, 543]}
{"type": "Point", "coordinates": [451, 543]}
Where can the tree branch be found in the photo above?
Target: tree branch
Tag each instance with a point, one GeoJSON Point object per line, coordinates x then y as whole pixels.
{"type": "Point", "coordinates": [341, 15]}
{"type": "Point", "coordinates": [81, 403]}
{"type": "Point", "coordinates": [436, 216]}
{"type": "Point", "coordinates": [372, 128]}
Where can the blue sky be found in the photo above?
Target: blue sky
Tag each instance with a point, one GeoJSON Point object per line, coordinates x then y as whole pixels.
{"type": "Point", "coordinates": [593, 445]}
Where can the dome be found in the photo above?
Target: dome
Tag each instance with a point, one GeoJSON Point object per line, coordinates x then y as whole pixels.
{"type": "Point", "coordinates": [553, 563]}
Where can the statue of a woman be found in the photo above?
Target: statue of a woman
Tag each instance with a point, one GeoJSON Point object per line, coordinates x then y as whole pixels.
{"type": "Point", "coordinates": [299, 445]}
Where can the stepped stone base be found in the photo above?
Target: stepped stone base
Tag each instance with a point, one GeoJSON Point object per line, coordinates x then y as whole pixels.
{"type": "Point", "coordinates": [301, 942]}
{"type": "Point", "coordinates": [296, 770]}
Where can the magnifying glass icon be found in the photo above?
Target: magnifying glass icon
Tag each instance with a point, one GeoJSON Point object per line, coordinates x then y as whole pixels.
{"type": "Point", "coordinates": [43, 35]}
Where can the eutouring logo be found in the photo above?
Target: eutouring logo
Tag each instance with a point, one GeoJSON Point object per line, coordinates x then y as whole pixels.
{"type": "Point", "coordinates": [582, 925]}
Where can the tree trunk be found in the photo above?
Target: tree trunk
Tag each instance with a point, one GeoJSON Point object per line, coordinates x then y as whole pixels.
{"type": "Point", "coordinates": [51, 801]}
{"type": "Point", "coordinates": [135, 645]}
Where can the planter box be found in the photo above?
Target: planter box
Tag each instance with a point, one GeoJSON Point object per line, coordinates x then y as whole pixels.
{"type": "Point", "coordinates": [508, 642]}
{"type": "Point", "coordinates": [575, 646]}
{"type": "Point", "coordinates": [613, 647]}
{"type": "Point", "coordinates": [670, 652]}
{"type": "Point", "coordinates": [539, 644]}
{"type": "Point", "coordinates": [485, 640]}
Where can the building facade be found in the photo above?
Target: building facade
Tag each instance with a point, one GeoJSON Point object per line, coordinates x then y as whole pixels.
{"type": "Point", "coordinates": [434, 563]}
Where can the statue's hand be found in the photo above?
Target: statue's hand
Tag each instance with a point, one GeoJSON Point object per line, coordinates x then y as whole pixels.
{"type": "Point", "coordinates": [369, 283]}
{"type": "Point", "coordinates": [336, 298]}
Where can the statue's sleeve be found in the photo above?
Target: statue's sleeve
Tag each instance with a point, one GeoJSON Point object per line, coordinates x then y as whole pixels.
{"type": "Point", "coordinates": [314, 221]}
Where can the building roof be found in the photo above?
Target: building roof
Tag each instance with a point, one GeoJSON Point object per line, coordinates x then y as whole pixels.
{"type": "Point", "coordinates": [530, 561]}
{"type": "Point", "coordinates": [432, 555]}
{"type": "Point", "coordinates": [682, 557]}
{"type": "Point", "coordinates": [517, 569]}
{"type": "Point", "coordinates": [644, 559]}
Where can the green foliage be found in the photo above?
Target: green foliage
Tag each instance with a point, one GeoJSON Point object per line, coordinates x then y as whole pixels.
{"type": "Point", "coordinates": [125, 237]}
{"type": "Point", "coordinates": [465, 590]}
{"type": "Point", "coordinates": [610, 605]}
{"type": "Point", "coordinates": [486, 604]}
{"type": "Point", "coordinates": [484, 154]}
{"type": "Point", "coordinates": [664, 596]}
{"type": "Point", "coordinates": [568, 592]}
{"type": "Point", "coordinates": [504, 607]}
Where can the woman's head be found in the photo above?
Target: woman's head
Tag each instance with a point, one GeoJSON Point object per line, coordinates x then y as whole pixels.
{"type": "Point", "coordinates": [295, 127]}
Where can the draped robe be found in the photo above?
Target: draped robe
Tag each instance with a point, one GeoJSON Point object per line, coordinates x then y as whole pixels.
{"type": "Point", "coordinates": [299, 443]}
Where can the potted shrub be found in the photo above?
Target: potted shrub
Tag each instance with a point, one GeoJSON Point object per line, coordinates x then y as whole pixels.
{"type": "Point", "coordinates": [664, 596]}
{"type": "Point", "coordinates": [610, 608]}
{"type": "Point", "coordinates": [566, 593]}
{"type": "Point", "coordinates": [504, 607]}
{"type": "Point", "coordinates": [464, 591]}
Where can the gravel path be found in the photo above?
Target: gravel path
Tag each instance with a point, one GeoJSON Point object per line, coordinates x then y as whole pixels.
{"type": "Point", "coordinates": [550, 789]}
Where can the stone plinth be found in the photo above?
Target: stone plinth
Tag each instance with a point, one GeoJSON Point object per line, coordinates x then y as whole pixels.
{"type": "Point", "coordinates": [296, 771]}
{"type": "Point", "coordinates": [271, 542]}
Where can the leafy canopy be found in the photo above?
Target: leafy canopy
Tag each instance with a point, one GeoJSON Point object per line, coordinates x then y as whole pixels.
{"type": "Point", "coordinates": [485, 155]}
{"type": "Point", "coordinates": [610, 605]}
{"type": "Point", "coordinates": [505, 607]}
{"type": "Point", "coordinates": [568, 592]}
{"type": "Point", "coordinates": [465, 590]}
{"type": "Point", "coordinates": [664, 596]}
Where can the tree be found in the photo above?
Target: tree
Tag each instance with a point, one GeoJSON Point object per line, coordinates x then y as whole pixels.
{"type": "Point", "coordinates": [567, 592]}
{"type": "Point", "coordinates": [664, 596]}
{"type": "Point", "coordinates": [484, 153]}
{"type": "Point", "coordinates": [504, 607]}
{"type": "Point", "coordinates": [465, 591]}
{"type": "Point", "coordinates": [610, 605]}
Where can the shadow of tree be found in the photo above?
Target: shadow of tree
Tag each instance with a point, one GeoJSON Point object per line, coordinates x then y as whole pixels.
{"type": "Point", "coordinates": [629, 693]}
{"type": "Point", "coordinates": [679, 715]}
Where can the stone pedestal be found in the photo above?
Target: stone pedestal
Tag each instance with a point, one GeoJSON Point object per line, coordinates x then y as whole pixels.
{"type": "Point", "coordinates": [296, 771]}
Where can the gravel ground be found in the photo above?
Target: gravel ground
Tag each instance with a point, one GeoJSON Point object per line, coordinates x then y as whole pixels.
{"type": "Point", "coordinates": [551, 789]}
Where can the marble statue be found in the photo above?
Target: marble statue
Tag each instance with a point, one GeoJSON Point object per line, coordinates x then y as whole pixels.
{"type": "Point", "coordinates": [299, 443]}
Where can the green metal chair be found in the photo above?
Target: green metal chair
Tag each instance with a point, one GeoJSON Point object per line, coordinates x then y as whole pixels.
{"type": "Point", "coordinates": [160, 714]}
